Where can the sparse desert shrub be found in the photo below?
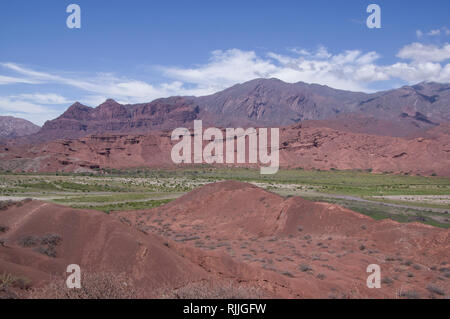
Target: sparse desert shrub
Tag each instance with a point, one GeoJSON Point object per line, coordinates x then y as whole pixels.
{"type": "Point", "coordinates": [2, 242]}
{"type": "Point", "coordinates": [335, 294]}
{"type": "Point", "coordinates": [3, 229]}
{"type": "Point", "coordinates": [5, 204]}
{"type": "Point", "coordinates": [321, 276]}
{"type": "Point", "coordinates": [49, 251]}
{"type": "Point", "coordinates": [410, 294]}
{"type": "Point", "coordinates": [362, 247]}
{"type": "Point", "coordinates": [305, 268]}
{"type": "Point", "coordinates": [210, 290]}
{"type": "Point", "coordinates": [329, 267]}
{"type": "Point", "coordinates": [435, 290]}
{"type": "Point", "coordinates": [29, 241]}
{"type": "Point", "coordinates": [386, 280]}
{"type": "Point", "coordinates": [51, 240]}
{"type": "Point", "coordinates": [8, 281]}
{"type": "Point", "coordinates": [287, 274]}
{"type": "Point", "coordinates": [22, 283]}
{"type": "Point", "coordinates": [93, 286]}
{"type": "Point", "coordinates": [44, 245]}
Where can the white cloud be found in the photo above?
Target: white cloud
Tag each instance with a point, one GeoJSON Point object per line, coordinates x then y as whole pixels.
{"type": "Point", "coordinates": [224, 69]}
{"type": "Point", "coordinates": [434, 32]}
{"type": "Point", "coordinates": [425, 53]}
{"type": "Point", "coordinates": [349, 70]}
{"type": "Point", "coordinates": [47, 98]}
{"type": "Point", "coordinates": [33, 112]}
{"type": "Point", "coordinates": [20, 106]}
{"type": "Point", "coordinates": [108, 85]}
{"type": "Point", "coordinates": [14, 80]}
{"type": "Point", "coordinates": [234, 66]}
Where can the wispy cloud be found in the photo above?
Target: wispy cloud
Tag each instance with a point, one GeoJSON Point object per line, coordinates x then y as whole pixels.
{"type": "Point", "coordinates": [42, 98]}
{"type": "Point", "coordinates": [15, 80]}
{"type": "Point", "coordinates": [29, 110]}
{"type": "Point", "coordinates": [433, 33]}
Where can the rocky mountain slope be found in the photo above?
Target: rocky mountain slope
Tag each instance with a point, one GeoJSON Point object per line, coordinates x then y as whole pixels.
{"type": "Point", "coordinates": [11, 127]}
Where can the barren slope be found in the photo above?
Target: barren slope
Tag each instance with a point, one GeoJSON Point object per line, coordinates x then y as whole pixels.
{"type": "Point", "coordinates": [324, 245]}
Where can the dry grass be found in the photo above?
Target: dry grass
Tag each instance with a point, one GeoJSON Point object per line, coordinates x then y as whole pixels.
{"type": "Point", "coordinates": [93, 286]}
{"type": "Point", "coordinates": [11, 286]}
{"type": "Point", "coordinates": [209, 290]}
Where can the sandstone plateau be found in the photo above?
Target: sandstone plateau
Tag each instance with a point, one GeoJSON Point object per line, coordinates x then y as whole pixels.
{"type": "Point", "coordinates": [301, 146]}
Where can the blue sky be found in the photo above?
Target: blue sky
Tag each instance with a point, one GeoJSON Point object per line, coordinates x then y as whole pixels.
{"type": "Point", "coordinates": [136, 50]}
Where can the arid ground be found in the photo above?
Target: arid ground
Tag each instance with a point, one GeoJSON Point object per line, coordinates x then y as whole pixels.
{"type": "Point", "coordinates": [209, 232]}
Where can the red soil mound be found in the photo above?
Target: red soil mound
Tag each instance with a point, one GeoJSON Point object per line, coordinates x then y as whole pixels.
{"type": "Point", "coordinates": [304, 241]}
{"type": "Point", "coordinates": [100, 243]}
{"type": "Point", "coordinates": [92, 240]}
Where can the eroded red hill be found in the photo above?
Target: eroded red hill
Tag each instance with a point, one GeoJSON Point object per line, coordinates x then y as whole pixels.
{"type": "Point", "coordinates": [304, 146]}
{"type": "Point", "coordinates": [325, 246]}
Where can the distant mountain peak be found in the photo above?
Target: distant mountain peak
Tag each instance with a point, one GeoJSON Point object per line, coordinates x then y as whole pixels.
{"type": "Point", "coordinates": [109, 102]}
{"type": "Point", "coordinates": [78, 105]}
{"type": "Point", "coordinates": [11, 127]}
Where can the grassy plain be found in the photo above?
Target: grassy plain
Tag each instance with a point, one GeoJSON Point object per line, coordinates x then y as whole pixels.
{"type": "Point", "coordinates": [136, 189]}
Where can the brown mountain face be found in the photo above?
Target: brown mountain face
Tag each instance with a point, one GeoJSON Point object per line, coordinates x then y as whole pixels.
{"type": "Point", "coordinates": [403, 112]}
{"type": "Point", "coordinates": [271, 102]}
{"type": "Point", "coordinates": [11, 127]}
{"type": "Point", "coordinates": [426, 102]}
{"type": "Point", "coordinates": [80, 120]}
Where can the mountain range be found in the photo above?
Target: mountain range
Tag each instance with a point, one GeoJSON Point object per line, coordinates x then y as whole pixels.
{"type": "Point", "coordinates": [264, 102]}
{"type": "Point", "coordinates": [403, 131]}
